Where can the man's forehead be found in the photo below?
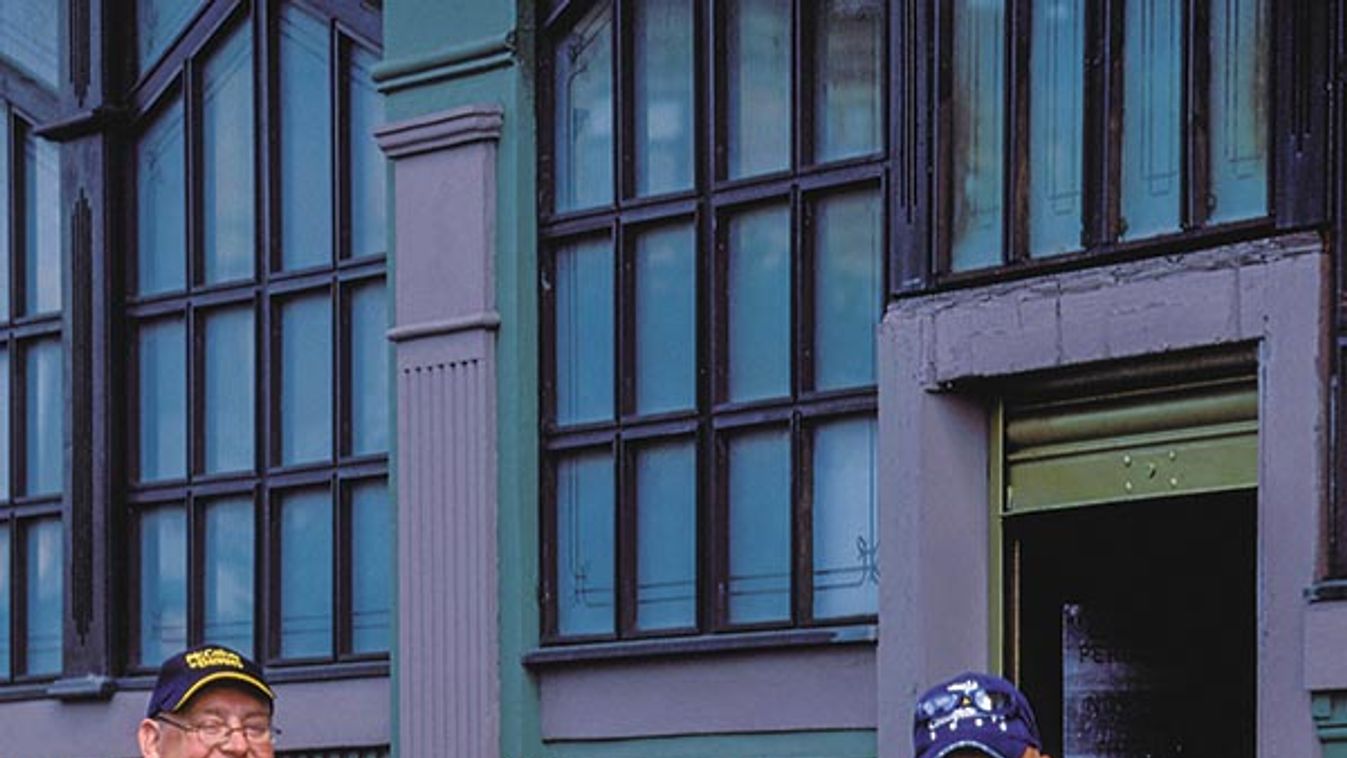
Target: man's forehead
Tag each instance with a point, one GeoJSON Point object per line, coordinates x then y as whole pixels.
{"type": "Point", "coordinates": [225, 699]}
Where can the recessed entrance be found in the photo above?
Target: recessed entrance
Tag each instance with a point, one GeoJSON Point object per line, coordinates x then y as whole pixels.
{"type": "Point", "coordinates": [1132, 626]}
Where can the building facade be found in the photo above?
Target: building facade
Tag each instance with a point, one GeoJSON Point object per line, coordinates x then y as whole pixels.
{"type": "Point", "coordinates": [529, 378]}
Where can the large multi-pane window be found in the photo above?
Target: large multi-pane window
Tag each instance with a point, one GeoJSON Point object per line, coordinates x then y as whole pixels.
{"type": "Point", "coordinates": [255, 313]}
{"type": "Point", "coordinates": [32, 416]}
{"type": "Point", "coordinates": [1127, 122]}
{"type": "Point", "coordinates": [714, 240]}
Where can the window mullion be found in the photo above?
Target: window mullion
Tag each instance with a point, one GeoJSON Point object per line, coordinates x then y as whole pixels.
{"type": "Point", "coordinates": [1015, 198]}
{"type": "Point", "coordinates": [1196, 142]}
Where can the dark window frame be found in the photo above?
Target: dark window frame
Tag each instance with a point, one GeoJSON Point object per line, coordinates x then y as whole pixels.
{"type": "Point", "coordinates": [177, 75]}
{"type": "Point", "coordinates": [19, 509]}
{"type": "Point", "coordinates": [706, 205]}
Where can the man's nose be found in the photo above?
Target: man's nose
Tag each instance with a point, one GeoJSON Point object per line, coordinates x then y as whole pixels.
{"type": "Point", "coordinates": [237, 744]}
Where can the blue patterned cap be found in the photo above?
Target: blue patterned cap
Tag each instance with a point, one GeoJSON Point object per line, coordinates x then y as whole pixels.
{"type": "Point", "coordinates": [976, 711]}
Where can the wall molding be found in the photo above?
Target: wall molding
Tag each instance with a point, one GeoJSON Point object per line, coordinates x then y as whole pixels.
{"type": "Point", "coordinates": [446, 63]}
{"type": "Point", "coordinates": [459, 126]}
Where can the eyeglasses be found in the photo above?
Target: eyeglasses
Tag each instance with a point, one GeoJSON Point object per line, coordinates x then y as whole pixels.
{"type": "Point", "coordinates": [216, 733]}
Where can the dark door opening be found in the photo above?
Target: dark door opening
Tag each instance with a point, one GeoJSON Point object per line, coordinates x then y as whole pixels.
{"type": "Point", "coordinates": [1132, 626]}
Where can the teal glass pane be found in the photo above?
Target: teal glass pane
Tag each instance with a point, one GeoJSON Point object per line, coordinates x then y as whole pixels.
{"type": "Point", "coordinates": [1152, 118]}
{"type": "Point", "coordinates": [227, 194]}
{"type": "Point", "coordinates": [161, 192]}
{"type": "Point", "coordinates": [4, 426]}
{"type": "Point", "coordinates": [306, 574]}
{"type": "Point", "coordinates": [306, 379]}
{"type": "Point", "coordinates": [977, 133]}
{"type": "Point", "coordinates": [229, 387]}
{"type": "Point", "coordinates": [1239, 109]}
{"type": "Point", "coordinates": [43, 404]}
{"type": "Point", "coordinates": [158, 22]}
{"type": "Point", "coordinates": [42, 226]}
{"type": "Point", "coordinates": [371, 567]}
{"type": "Point", "coordinates": [306, 140]}
{"type": "Point", "coordinates": [227, 568]}
{"type": "Point", "coordinates": [760, 510]}
{"type": "Point", "coordinates": [1056, 126]}
{"type": "Point", "coordinates": [584, 332]}
{"type": "Point", "coordinates": [584, 112]}
{"type": "Point", "coordinates": [586, 551]}
{"type": "Point", "coordinates": [848, 288]}
{"type": "Point", "coordinates": [368, 209]}
{"type": "Point", "coordinates": [666, 320]}
{"type": "Point", "coordinates": [30, 35]}
{"type": "Point", "coordinates": [663, 96]}
{"type": "Point", "coordinates": [758, 291]}
{"type": "Point", "coordinates": [369, 369]}
{"type": "Point", "coordinates": [44, 550]}
{"type": "Point", "coordinates": [5, 225]}
{"type": "Point", "coordinates": [6, 645]}
{"type": "Point", "coordinates": [666, 536]}
{"type": "Point", "coordinates": [846, 536]}
{"type": "Point", "coordinates": [757, 86]}
{"type": "Point", "coordinates": [163, 583]}
{"type": "Point", "coordinates": [162, 352]}
{"type": "Point", "coordinates": [848, 100]}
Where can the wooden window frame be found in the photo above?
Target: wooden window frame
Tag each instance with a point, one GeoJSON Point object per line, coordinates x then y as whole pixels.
{"type": "Point", "coordinates": [177, 74]}
{"type": "Point", "coordinates": [706, 205]}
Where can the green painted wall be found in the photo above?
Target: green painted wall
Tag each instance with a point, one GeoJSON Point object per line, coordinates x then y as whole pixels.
{"type": "Point", "coordinates": [847, 744]}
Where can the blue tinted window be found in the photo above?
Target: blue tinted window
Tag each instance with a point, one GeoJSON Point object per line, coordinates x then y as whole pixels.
{"type": "Point", "coordinates": [306, 379]}
{"type": "Point", "coordinates": [666, 536]}
{"type": "Point", "coordinates": [848, 102]}
{"type": "Point", "coordinates": [371, 567]}
{"type": "Point", "coordinates": [228, 569]}
{"type": "Point", "coordinates": [760, 519]}
{"type": "Point", "coordinates": [848, 271]}
{"type": "Point", "coordinates": [977, 132]}
{"type": "Point", "coordinates": [369, 369]}
{"type": "Point", "coordinates": [161, 221]}
{"type": "Point", "coordinates": [586, 552]}
{"type": "Point", "coordinates": [44, 551]}
{"type": "Point", "coordinates": [306, 574]}
{"type": "Point", "coordinates": [163, 583]}
{"type": "Point", "coordinates": [663, 91]}
{"type": "Point", "coordinates": [846, 544]}
{"type": "Point", "coordinates": [4, 425]}
{"type": "Point", "coordinates": [306, 140]}
{"type": "Point", "coordinates": [42, 226]}
{"type": "Point", "coordinates": [666, 320]}
{"type": "Point", "coordinates": [163, 399]}
{"type": "Point", "coordinates": [44, 418]}
{"type": "Point", "coordinates": [229, 387]}
{"type": "Point", "coordinates": [584, 113]}
{"type": "Point", "coordinates": [368, 201]}
{"type": "Point", "coordinates": [759, 304]}
{"type": "Point", "coordinates": [1056, 126]}
{"type": "Point", "coordinates": [1152, 113]}
{"type": "Point", "coordinates": [1239, 109]}
{"type": "Point", "coordinates": [758, 84]}
{"type": "Point", "coordinates": [585, 332]}
{"type": "Point", "coordinates": [227, 160]}
{"type": "Point", "coordinates": [157, 23]}
{"type": "Point", "coordinates": [30, 36]}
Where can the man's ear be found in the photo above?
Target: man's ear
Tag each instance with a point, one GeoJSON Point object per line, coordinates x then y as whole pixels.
{"type": "Point", "coordinates": [148, 735]}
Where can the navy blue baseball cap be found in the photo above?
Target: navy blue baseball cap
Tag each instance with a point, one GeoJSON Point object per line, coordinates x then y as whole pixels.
{"type": "Point", "coordinates": [976, 711]}
{"type": "Point", "coordinates": [188, 672]}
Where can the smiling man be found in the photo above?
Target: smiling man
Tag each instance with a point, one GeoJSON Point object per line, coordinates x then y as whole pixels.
{"type": "Point", "coordinates": [209, 701]}
{"type": "Point", "coordinates": [975, 716]}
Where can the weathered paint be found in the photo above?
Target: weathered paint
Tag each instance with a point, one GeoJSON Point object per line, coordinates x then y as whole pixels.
{"type": "Point", "coordinates": [934, 444]}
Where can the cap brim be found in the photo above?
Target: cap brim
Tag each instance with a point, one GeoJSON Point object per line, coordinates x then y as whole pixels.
{"type": "Point", "coordinates": [966, 744]}
{"type": "Point", "coordinates": [253, 681]}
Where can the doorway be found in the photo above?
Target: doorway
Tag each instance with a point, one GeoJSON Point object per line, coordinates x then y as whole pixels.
{"type": "Point", "coordinates": [1131, 626]}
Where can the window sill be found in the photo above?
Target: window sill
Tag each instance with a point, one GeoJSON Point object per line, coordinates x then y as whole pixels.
{"type": "Point", "coordinates": [669, 647]}
{"type": "Point", "coordinates": [1327, 591]}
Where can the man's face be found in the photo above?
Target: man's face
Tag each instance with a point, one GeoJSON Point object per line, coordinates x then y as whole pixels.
{"type": "Point", "coordinates": [227, 705]}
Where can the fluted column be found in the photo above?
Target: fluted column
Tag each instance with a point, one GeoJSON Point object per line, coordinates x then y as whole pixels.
{"type": "Point", "coordinates": [444, 330]}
